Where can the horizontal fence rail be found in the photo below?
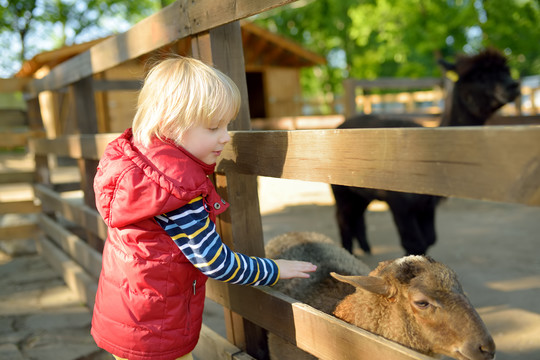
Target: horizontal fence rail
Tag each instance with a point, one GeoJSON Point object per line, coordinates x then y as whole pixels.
{"type": "Point", "coordinates": [489, 163]}
{"type": "Point", "coordinates": [79, 214]}
{"type": "Point", "coordinates": [395, 83]}
{"type": "Point", "coordinates": [312, 330]}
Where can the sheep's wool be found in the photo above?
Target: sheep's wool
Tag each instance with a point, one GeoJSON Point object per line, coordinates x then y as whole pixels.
{"type": "Point", "coordinates": [410, 258]}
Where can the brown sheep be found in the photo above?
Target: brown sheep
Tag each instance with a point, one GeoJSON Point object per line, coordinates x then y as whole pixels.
{"type": "Point", "coordinates": [413, 300]}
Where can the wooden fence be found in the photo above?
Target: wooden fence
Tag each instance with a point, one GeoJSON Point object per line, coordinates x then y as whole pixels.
{"type": "Point", "coordinates": [17, 173]}
{"type": "Point", "coordinates": [492, 163]}
{"type": "Point", "coordinates": [426, 106]}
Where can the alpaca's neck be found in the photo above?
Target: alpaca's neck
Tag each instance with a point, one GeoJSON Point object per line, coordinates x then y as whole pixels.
{"type": "Point", "coordinates": [456, 113]}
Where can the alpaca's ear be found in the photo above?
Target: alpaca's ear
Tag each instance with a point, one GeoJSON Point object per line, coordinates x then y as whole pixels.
{"type": "Point", "coordinates": [372, 284]}
{"type": "Point", "coordinates": [448, 66]}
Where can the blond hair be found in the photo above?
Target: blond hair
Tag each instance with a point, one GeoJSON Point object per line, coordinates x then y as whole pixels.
{"type": "Point", "coordinates": [179, 93]}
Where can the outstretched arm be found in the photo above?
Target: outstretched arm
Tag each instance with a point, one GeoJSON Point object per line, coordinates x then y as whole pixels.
{"type": "Point", "coordinates": [195, 235]}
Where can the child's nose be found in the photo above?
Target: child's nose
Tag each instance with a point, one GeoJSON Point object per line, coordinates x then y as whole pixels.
{"type": "Point", "coordinates": [225, 137]}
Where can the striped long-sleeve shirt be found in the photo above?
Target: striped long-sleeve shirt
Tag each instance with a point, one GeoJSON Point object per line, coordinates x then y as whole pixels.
{"type": "Point", "coordinates": [195, 234]}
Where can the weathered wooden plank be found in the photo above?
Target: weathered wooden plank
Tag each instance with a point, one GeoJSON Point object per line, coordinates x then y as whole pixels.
{"type": "Point", "coordinates": [74, 275]}
{"type": "Point", "coordinates": [17, 177]}
{"type": "Point", "coordinates": [73, 146]}
{"type": "Point", "coordinates": [241, 227]}
{"type": "Point", "coordinates": [178, 20]}
{"type": "Point", "coordinates": [115, 85]}
{"type": "Point", "coordinates": [496, 163]}
{"type": "Point", "coordinates": [488, 163]}
{"type": "Point", "coordinates": [71, 244]}
{"type": "Point", "coordinates": [83, 95]}
{"type": "Point", "coordinates": [14, 139]}
{"type": "Point", "coordinates": [19, 207]}
{"type": "Point", "coordinates": [396, 83]}
{"type": "Point", "coordinates": [12, 117]}
{"type": "Point", "coordinates": [212, 346]}
{"type": "Point", "coordinates": [64, 187]}
{"type": "Point", "coordinates": [35, 120]}
{"type": "Point", "coordinates": [318, 333]}
{"type": "Point", "coordinates": [298, 122]}
{"type": "Point", "coordinates": [81, 215]}
{"type": "Point", "coordinates": [514, 120]}
{"type": "Point", "coordinates": [16, 232]}
{"type": "Point", "coordinates": [13, 84]}
{"type": "Point", "coordinates": [43, 173]}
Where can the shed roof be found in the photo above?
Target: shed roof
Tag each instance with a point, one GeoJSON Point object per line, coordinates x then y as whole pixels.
{"type": "Point", "coordinates": [261, 48]}
{"type": "Point", "coordinates": [264, 48]}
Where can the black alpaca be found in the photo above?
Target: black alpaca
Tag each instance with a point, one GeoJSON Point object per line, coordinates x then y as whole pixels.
{"type": "Point", "coordinates": [484, 85]}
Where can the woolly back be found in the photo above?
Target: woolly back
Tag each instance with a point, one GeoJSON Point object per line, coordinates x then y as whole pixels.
{"type": "Point", "coordinates": [320, 290]}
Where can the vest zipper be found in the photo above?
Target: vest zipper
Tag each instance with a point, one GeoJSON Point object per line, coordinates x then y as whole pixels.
{"type": "Point", "coordinates": [194, 285]}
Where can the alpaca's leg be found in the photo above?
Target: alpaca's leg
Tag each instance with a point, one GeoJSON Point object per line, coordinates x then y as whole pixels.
{"type": "Point", "coordinates": [350, 208]}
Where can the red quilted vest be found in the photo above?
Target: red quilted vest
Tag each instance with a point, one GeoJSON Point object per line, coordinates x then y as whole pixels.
{"type": "Point", "coordinates": [150, 298]}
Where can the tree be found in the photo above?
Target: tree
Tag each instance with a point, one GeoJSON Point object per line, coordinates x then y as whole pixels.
{"type": "Point", "coordinates": [320, 26]}
{"type": "Point", "coordinates": [404, 38]}
{"type": "Point", "coordinates": [29, 27]}
{"type": "Point", "coordinates": [18, 17]}
{"type": "Point", "coordinates": [513, 26]}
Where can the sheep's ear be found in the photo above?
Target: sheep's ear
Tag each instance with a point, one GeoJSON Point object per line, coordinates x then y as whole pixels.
{"type": "Point", "coordinates": [372, 284]}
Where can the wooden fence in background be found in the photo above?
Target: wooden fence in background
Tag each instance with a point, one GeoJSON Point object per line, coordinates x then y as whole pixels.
{"type": "Point", "coordinates": [422, 99]}
{"type": "Point", "coordinates": [17, 173]}
{"type": "Point", "coordinates": [492, 163]}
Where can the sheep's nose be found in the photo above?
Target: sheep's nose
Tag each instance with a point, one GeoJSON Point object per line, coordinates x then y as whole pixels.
{"type": "Point", "coordinates": [488, 352]}
{"type": "Point", "coordinates": [485, 350]}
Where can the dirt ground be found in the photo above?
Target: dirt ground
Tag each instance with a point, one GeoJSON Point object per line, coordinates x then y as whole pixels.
{"type": "Point", "coordinates": [494, 248]}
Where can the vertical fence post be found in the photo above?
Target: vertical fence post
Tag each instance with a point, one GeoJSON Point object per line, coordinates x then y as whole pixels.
{"type": "Point", "coordinates": [85, 113]}
{"type": "Point", "coordinates": [349, 97]}
{"type": "Point", "coordinates": [241, 226]}
{"type": "Point", "coordinates": [42, 173]}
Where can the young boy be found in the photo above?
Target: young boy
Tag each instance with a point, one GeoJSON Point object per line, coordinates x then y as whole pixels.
{"type": "Point", "coordinates": [153, 191]}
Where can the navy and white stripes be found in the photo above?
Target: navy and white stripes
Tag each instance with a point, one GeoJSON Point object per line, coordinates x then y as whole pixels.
{"type": "Point", "coordinates": [195, 234]}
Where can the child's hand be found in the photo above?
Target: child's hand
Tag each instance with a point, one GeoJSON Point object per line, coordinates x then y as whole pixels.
{"type": "Point", "coordinates": [294, 269]}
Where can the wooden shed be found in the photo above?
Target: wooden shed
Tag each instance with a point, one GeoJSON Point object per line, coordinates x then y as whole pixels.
{"type": "Point", "coordinates": [272, 65]}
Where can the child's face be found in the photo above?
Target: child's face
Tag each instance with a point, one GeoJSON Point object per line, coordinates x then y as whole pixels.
{"type": "Point", "coordinates": [205, 143]}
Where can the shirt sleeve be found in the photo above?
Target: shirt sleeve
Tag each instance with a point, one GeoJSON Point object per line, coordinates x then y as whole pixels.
{"type": "Point", "coordinates": [195, 235]}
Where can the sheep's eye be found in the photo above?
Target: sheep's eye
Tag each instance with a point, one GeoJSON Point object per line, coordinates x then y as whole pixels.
{"type": "Point", "coordinates": [421, 304]}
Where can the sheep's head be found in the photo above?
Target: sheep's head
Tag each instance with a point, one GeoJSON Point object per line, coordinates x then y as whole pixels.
{"type": "Point", "coordinates": [419, 303]}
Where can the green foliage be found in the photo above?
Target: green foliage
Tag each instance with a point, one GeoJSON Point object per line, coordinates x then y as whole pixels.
{"type": "Point", "coordinates": [17, 17]}
{"type": "Point", "coordinates": [360, 38]}
{"type": "Point", "coordinates": [514, 27]}
{"type": "Point", "coordinates": [35, 26]}
{"type": "Point", "coordinates": [320, 26]}
{"type": "Point", "coordinates": [404, 38]}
